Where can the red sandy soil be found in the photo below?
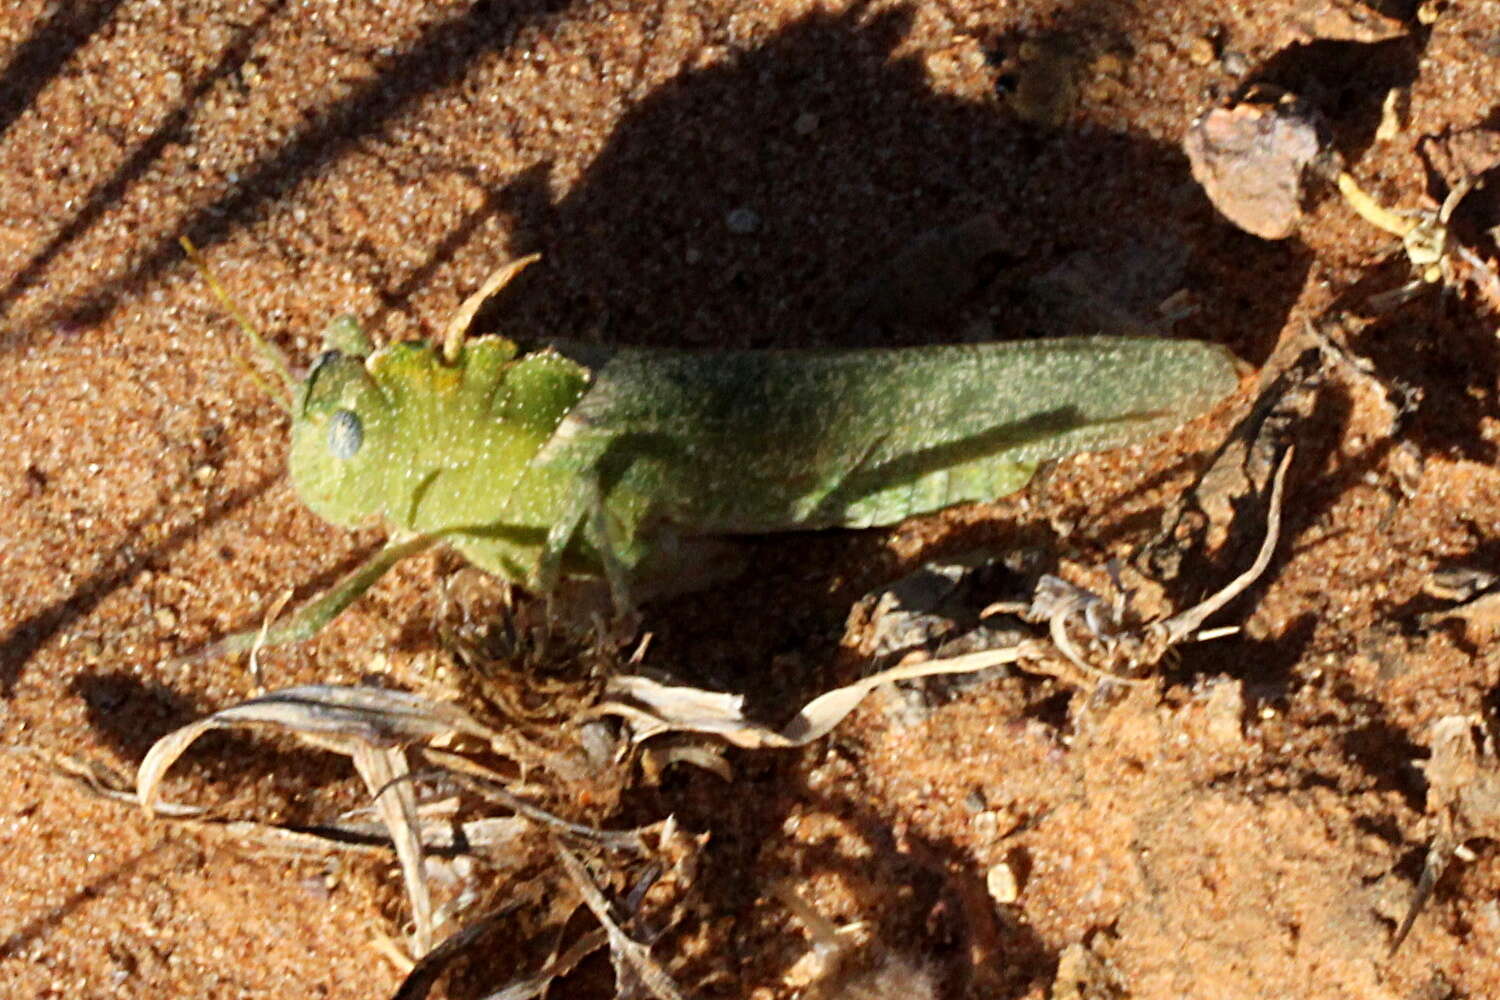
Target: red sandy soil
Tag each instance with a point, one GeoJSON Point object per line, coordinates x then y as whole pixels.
{"type": "Point", "coordinates": [1252, 825]}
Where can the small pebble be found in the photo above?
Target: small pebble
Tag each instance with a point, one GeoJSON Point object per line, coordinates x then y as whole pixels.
{"type": "Point", "coordinates": [1000, 880]}
{"type": "Point", "coordinates": [1235, 62]}
{"type": "Point", "coordinates": [1250, 160]}
{"type": "Point", "coordinates": [742, 221]}
{"type": "Point", "coordinates": [1393, 114]}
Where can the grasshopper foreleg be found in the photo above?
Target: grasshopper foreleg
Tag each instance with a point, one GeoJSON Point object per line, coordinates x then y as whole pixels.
{"type": "Point", "coordinates": [308, 620]}
{"type": "Point", "coordinates": [586, 510]}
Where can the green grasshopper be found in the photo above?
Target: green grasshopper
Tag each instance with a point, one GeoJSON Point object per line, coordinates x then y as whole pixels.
{"type": "Point", "coordinates": [632, 465]}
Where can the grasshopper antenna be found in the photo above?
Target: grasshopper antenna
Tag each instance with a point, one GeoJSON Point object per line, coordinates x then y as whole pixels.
{"type": "Point", "coordinates": [458, 326]}
{"type": "Point", "coordinates": [268, 352]}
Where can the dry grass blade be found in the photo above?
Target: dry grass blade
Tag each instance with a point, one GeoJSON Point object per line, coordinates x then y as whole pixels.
{"type": "Point", "coordinates": [458, 326]}
{"type": "Point", "coordinates": [367, 724]}
{"type": "Point", "coordinates": [1061, 604]}
{"type": "Point", "coordinates": [654, 708]}
{"type": "Point", "coordinates": [97, 780]}
{"type": "Point", "coordinates": [327, 714]}
{"type": "Point", "coordinates": [384, 771]}
{"type": "Point", "coordinates": [1463, 798]}
{"type": "Point", "coordinates": [273, 613]}
{"type": "Point", "coordinates": [1433, 249]}
{"type": "Point", "coordinates": [102, 782]}
{"type": "Point", "coordinates": [655, 761]}
{"type": "Point", "coordinates": [1433, 865]}
{"type": "Point", "coordinates": [555, 967]}
{"type": "Point", "coordinates": [1181, 626]}
{"type": "Point", "coordinates": [362, 838]}
{"type": "Point", "coordinates": [424, 974]}
{"type": "Point", "coordinates": [483, 783]}
{"type": "Point", "coordinates": [430, 967]}
{"type": "Point", "coordinates": [623, 948]}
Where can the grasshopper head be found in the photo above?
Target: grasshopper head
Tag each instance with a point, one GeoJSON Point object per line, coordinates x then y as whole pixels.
{"type": "Point", "coordinates": [340, 420]}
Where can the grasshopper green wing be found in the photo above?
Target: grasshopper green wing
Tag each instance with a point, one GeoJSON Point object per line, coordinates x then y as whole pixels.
{"type": "Point", "coordinates": [763, 441]}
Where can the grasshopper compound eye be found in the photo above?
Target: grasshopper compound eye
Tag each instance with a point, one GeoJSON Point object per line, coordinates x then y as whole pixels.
{"type": "Point", "coordinates": [346, 433]}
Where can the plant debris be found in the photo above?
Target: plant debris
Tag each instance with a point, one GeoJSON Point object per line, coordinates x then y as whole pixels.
{"type": "Point", "coordinates": [1476, 596]}
{"type": "Point", "coordinates": [1340, 20]}
{"type": "Point", "coordinates": [368, 725]}
{"type": "Point", "coordinates": [632, 959]}
{"type": "Point", "coordinates": [1086, 641]}
{"type": "Point", "coordinates": [1436, 256]}
{"type": "Point", "coordinates": [1463, 800]}
{"type": "Point", "coordinates": [1252, 159]}
{"type": "Point", "coordinates": [846, 965]}
{"type": "Point", "coordinates": [378, 729]}
{"type": "Point", "coordinates": [1248, 810]}
{"type": "Point", "coordinates": [1216, 512]}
